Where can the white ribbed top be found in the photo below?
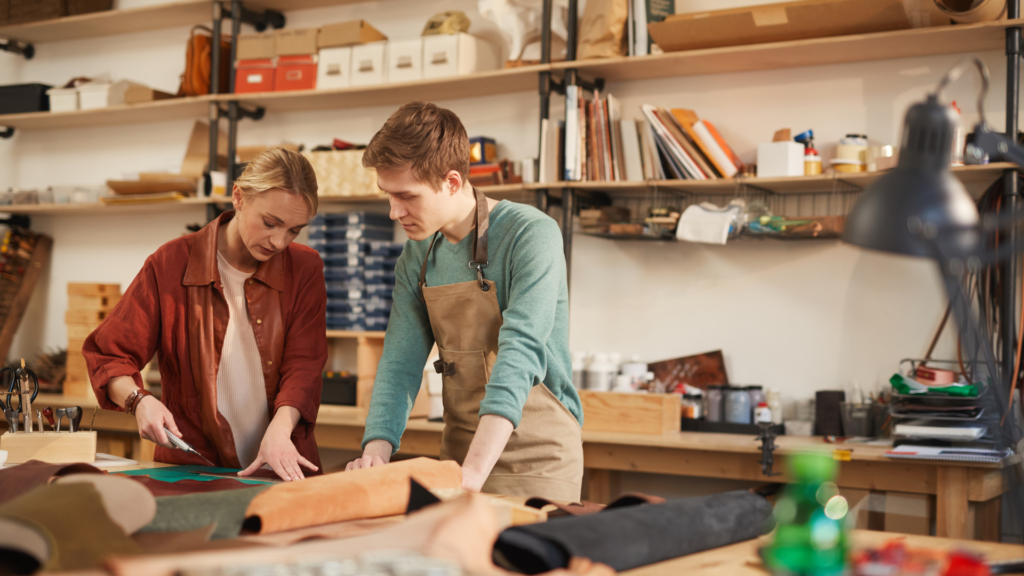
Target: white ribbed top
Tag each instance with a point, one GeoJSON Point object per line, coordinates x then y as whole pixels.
{"type": "Point", "coordinates": [241, 392]}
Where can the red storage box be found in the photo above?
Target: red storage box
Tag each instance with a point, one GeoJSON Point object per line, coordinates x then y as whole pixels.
{"type": "Point", "coordinates": [254, 76]}
{"type": "Point", "coordinates": [295, 73]}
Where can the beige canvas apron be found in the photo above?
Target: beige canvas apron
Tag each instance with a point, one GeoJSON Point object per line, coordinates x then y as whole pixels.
{"type": "Point", "coordinates": [544, 455]}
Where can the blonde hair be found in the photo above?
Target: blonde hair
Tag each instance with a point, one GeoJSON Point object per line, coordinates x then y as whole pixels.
{"type": "Point", "coordinates": [280, 168]}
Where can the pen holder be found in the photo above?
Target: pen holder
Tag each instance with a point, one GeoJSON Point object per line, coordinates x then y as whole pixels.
{"type": "Point", "coordinates": [51, 447]}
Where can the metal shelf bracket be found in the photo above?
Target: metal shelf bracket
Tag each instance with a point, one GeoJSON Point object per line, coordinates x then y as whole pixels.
{"type": "Point", "coordinates": [25, 49]}
{"type": "Point", "coordinates": [7, 133]}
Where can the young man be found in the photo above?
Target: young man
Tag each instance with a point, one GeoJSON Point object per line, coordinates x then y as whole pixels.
{"type": "Point", "coordinates": [486, 281]}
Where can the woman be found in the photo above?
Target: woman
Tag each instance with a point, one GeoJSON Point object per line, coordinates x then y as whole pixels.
{"type": "Point", "coordinates": [237, 312]}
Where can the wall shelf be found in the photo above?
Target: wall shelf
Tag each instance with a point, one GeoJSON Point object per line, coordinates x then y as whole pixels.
{"type": "Point", "coordinates": [958, 39]}
{"type": "Point", "coordinates": [98, 208]}
{"type": "Point", "coordinates": [156, 111]}
{"type": "Point", "coordinates": [111, 22]}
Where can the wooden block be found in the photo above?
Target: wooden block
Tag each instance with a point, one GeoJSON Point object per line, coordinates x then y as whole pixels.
{"type": "Point", "coordinates": [368, 353]}
{"type": "Point", "coordinates": [85, 316]}
{"type": "Point", "coordinates": [76, 364]}
{"type": "Point", "coordinates": [81, 331]}
{"type": "Point", "coordinates": [908, 513]}
{"type": "Point", "coordinates": [105, 303]}
{"type": "Point", "coordinates": [52, 447]}
{"type": "Point", "coordinates": [631, 413]}
{"type": "Point", "coordinates": [78, 387]}
{"type": "Point", "coordinates": [88, 289]}
{"type": "Point", "coordinates": [75, 345]}
{"type": "Point", "coordinates": [951, 503]}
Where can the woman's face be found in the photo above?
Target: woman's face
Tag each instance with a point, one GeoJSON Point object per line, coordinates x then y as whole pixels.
{"type": "Point", "coordinates": [270, 220]}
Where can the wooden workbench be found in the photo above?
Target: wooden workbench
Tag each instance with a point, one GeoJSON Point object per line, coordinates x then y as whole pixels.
{"type": "Point", "coordinates": [966, 493]}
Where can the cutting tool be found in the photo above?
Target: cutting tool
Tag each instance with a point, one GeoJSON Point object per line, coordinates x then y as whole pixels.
{"type": "Point", "coordinates": [25, 386]}
{"type": "Point", "coordinates": [182, 445]}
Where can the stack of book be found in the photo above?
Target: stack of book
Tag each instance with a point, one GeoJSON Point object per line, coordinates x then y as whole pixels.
{"type": "Point", "coordinates": [359, 268]}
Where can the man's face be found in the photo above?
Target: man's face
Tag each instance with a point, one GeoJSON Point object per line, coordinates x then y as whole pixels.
{"type": "Point", "coordinates": [420, 209]}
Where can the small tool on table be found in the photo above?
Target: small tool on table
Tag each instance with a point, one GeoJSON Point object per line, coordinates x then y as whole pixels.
{"type": "Point", "coordinates": [60, 416]}
{"type": "Point", "coordinates": [74, 414]}
{"type": "Point", "coordinates": [25, 386]}
{"type": "Point", "coordinates": [182, 445]}
{"type": "Point", "coordinates": [48, 414]}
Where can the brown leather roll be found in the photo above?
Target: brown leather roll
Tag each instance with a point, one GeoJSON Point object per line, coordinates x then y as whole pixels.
{"type": "Point", "coordinates": [366, 493]}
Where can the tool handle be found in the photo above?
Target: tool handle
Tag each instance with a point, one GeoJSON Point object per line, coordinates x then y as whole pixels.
{"type": "Point", "coordinates": [178, 442]}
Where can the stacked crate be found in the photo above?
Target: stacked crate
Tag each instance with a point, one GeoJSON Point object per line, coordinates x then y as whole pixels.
{"type": "Point", "coordinates": [359, 268]}
{"type": "Point", "coordinates": [88, 306]}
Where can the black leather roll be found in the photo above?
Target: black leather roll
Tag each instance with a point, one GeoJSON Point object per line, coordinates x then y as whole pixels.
{"type": "Point", "coordinates": [634, 536]}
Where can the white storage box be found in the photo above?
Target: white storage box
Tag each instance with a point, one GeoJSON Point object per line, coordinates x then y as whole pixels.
{"type": "Point", "coordinates": [775, 159]}
{"type": "Point", "coordinates": [457, 55]}
{"type": "Point", "coordinates": [63, 99]}
{"type": "Point", "coordinates": [405, 61]}
{"type": "Point", "coordinates": [335, 69]}
{"type": "Point", "coordinates": [368, 64]}
{"type": "Point", "coordinates": [102, 95]}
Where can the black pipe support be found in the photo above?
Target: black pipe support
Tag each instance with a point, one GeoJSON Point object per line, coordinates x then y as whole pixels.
{"type": "Point", "coordinates": [25, 49]}
{"type": "Point", "coordinates": [7, 133]}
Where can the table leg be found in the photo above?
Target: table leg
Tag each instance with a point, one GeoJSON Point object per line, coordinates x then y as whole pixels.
{"type": "Point", "coordinates": [599, 485]}
{"type": "Point", "coordinates": [988, 520]}
{"type": "Point", "coordinates": [951, 506]}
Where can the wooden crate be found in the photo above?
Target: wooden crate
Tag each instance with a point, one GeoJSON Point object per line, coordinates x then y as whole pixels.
{"type": "Point", "coordinates": [631, 413]}
{"type": "Point", "coordinates": [85, 316]}
{"type": "Point", "coordinates": [52, 447]}
{"type": "Point", "coordinates": [87, 289]}
{"type": "Point", "coordinates": [105, 303]}
{"type": "Point", "coordinates": [80, 331]}
{"type": "Point", "coordinates": [78, 387]}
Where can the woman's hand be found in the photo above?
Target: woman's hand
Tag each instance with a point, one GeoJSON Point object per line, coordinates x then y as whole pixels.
{"type": "Point", "coordinates": [152, 416]}
{"type": "Point", "coordinates": [277, 448]}
{"type": "Point", "coordinates": [377, 453]}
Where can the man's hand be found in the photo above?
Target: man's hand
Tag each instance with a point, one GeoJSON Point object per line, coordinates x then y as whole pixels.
{"type": "Point", "coordinates": [488, 443]}
{"type": "Point", "coordinates": [277, 448]}
{"type": "Point", "coordinates": [377, 453]}
{"type": "Point", "coordinates": [152, 416]}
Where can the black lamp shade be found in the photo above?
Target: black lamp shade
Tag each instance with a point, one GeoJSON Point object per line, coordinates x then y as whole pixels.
{"type": "Point", "coordinates": [905, 210]}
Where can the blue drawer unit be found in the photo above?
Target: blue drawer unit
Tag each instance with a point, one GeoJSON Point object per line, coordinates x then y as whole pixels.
{"type": "Point", "coordinates": [370, 307]}
{"type": "Point", "coordinates": [379, 276]}
{"type": "Point", "coordinates": [357, 217]}
{"type": "Point", "coordinates": [380, 262]}
{"type": "Point", "coordinates": [343, 273]}
{"type": "Point", "coordinates": [375, 324]}
{"type": "Point", "coordinates": [386, 249]}
{"type": "Point", "coordinates": [345, 288]}
{"type": "Point", "coordinates": [344, 259]}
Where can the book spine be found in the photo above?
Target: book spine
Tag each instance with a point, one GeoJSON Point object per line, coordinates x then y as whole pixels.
{"type": "Point", "coordinates": [572, 133]}
{"type": "Point", "coordinates": [717, 155]}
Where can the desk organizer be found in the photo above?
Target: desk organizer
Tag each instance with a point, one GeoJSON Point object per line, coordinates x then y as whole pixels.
{"type": "Point", "coordinates": [631, 413]}
{"type": "Point", "coordinates": [52, 447]}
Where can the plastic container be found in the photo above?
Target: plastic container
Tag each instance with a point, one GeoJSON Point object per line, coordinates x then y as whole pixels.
{"type": "Point", "coordinates": [714, 403]}
{"type": "Point", "coordinates": [774, 404]}
{"type": "Point", "coordinates": [579, 374]}
{"type": "Point", "coordinates": [19, 98]}
{"type": "Point", "coordinates": [762, 414]}
{"type": "Point", "coordinates": [756, 393]}
{"type": "Point", "coordinates": [693, 406]}
{"type": "Point", "coordinates": [737, 406]}
{"type": "Point", "coordinates": [599, 374]}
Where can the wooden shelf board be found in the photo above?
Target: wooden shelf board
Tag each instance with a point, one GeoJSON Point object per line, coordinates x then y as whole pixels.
{"type": "Point", "coordinates": [500, 192]}
{"type": "Point", "coordinates": [797, 53]}
{"type": "Point", "coordinates": [503, 81]}
{"type": "Point", "coordinates": [354, 334]}
{"type": "Point", "coordinates": [71, 209]}
{"type": "Point", "coordinates": [111, 22]}
{"type": "Point", "coordinates": [157, 111]}
{"type": "Point", "coordinates": [289, 5]}
{"type": "Point", "coordinates": [341, 415]}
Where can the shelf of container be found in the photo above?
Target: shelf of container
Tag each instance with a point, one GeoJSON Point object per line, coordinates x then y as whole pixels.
{"type": "Point", "coordinates": [156, 111]}
{"type": "Point", "coordinates": [503, 81]}
{"type": "Point", "coordinates": [958, 39]}
{"type": "Point", "coordinates": [340, 334]}
{"type": "Point", "coordinates": [975, 178]}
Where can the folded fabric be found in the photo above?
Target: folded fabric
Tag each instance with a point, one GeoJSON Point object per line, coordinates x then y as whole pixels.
{"type": "Point", "coordinates": [706, 223]}
{"type": "Point", "coordinates": [17, 480]}
{"type": "Point", "coordinates": [365, 493]}
{"type": "Point", "coordinates": [72, 519]}
{"type": "Point", "coordinates": [630, 537]}
{"type": "Point", "coordinates": [191, 512]}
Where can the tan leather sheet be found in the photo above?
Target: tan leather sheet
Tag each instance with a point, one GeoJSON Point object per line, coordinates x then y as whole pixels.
{"type": "Point", "coordinates": [366, 493]}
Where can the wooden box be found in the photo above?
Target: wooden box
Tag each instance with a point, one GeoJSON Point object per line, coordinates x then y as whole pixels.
{"type": "Point", "coordinates": [107, 303]}
{"type": "Point", "coordinates": [73, 316]}
{"type": "Point", "coordinates": [631, 413]}
{"type": "Point", "coordinates": [89, 289]}
{"type": "Point", "coordinates": [52, 447]}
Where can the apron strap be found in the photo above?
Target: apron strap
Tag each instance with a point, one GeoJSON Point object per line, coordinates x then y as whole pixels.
{"type": "Point", "coordinates": [479, 260]}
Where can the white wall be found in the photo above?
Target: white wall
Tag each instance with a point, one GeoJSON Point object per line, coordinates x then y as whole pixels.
{"type": "Point", "coordinates": [796, 315]}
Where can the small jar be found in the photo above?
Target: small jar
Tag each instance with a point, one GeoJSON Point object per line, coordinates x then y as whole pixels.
{"type": "Point", "coordinates": [762, 414]}
{"type": "Point", "coordinates": [693, 406]}
{"type": "Point", "coordinates": [713, 403]}
{"type": "Point", "coordinates": [737, 406]}
{"type": "Point", "coordinates": [812, 162]}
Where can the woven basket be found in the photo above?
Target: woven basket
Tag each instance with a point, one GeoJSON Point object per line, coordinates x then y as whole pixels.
{"type": "Point", "coordinates": [88, 6]}
{"type": "Point", "coordinates": [341, 173]}
{"type": "Point", "coordinates": [22, 11]}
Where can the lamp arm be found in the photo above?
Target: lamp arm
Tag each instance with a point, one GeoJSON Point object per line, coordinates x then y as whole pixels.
{"type": "Point", "coordinates": [997, 146]}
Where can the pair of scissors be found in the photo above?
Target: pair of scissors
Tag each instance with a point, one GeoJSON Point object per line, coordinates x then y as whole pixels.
{"type": "Point", "coordinates": [26, 397]}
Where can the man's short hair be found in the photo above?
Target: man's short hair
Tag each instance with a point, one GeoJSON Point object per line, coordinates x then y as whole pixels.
{"type": "Point", "coordinates": [424, 137]}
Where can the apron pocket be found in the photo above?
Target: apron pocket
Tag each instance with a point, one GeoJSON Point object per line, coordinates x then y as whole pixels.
{"type": "Point", "coordinates": [463, 387]}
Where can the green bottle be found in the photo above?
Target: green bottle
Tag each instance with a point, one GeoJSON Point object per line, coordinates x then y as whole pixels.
{"type": "Point", "coordinates": [810, 532]}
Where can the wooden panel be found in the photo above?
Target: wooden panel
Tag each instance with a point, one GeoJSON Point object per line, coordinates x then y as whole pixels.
{"type": "Point", "coordinates": [988, 519]}
{"type": "Point", "coordinates": [52, 447]}
{"type": "Point", "coordinates": [80, 331]}
{"type": "Point", "coordinates": [630, 413]}
{"type": "Point", "coordinates": [77, 386]}
{"type": "Point", "coordinates": [76, 364]}
{"type": "Point", "coordinates": [951, 503]}
{"type": "Point", "coordinates": [147, 208]}
{"type": "Point", "coordinates": [908, 513]}
{"type": "Point", "coordinates": [984, 485]}
{"type": "Point", "coordinates": [797, 53]}
{"type": "Point", "coordinates": [75, 345]}
{"type": "Point", "coordinates": [33, 269]}
{"type": "Point", "coordinates": [84, 316]}
{"type": "Point", "coordinates": [111, 22]}
{"type": "Point", "coordinates": [104, 303]}
{"type": "Point", "coordinates": [603, 486]}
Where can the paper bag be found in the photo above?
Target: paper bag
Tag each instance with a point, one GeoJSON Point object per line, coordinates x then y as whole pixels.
{"type": "Point", "coordinates": [603, 29]}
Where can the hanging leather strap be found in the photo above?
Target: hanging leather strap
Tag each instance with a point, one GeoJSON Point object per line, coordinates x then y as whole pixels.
{"type": "Point", "coordinates": [479, 261]}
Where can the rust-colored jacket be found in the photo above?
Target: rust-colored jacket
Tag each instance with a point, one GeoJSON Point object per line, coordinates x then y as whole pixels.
{"type": "Point", "coordinates": [176, 305]}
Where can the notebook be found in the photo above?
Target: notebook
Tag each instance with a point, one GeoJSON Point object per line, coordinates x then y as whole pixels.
{"type": "Point", "coordinates": [941, 453]}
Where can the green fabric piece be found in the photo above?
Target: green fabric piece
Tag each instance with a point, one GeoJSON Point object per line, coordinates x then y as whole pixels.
{"type": "Point", "coordinates": [226, 509]}
{"type": "Point", "coordinates": [527, 265]}
{"type": "Point", "coordinates": [901, 386]}
{"type": "Point", "coordinates": [176, 473]}
{"type": "Point", "coordinates": [71, 517]}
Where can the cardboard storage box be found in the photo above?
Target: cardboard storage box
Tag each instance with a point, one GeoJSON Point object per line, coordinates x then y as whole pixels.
{"type": "Point", "coordinates": [457, 55]}
{"type": "Point", "coordinates": [368, 64]}
{"type": "Point", "coordinates": [334, 69]}
{"type": "Point", "coordinates": [341, 173]}
{"type": "Point", "coordinates": [785, 21]}
{"type": "Point", "coordinates": [405, 61]}
{"type": "Point", "coordinates": [255, 46]}
{"type": "Point", "coordinates": [775, 159]}
{"type": "Point", "coordinates": [63, 99]}
{"type": "Point", "coordinates": [295, 73]}
{"type": "Point", "coordinates": [295, 42]}
{"type": "Point", "coordinates": [137, 93]}
{"type": "Point", "coordinates": [349, 34]}
{"type": "Point", "coordinates": [254, 76]}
